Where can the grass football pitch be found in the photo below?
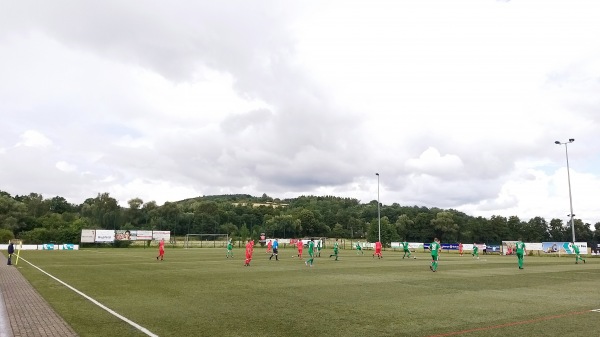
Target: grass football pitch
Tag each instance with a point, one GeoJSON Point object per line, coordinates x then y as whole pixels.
{"type": "Point", "coordinates": [198, 292]}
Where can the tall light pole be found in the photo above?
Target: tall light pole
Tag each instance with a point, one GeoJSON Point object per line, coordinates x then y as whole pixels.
{"type": "Point", "coordinates": [378, 207]}
{"type": "Point", "coordinates": [571, 140]}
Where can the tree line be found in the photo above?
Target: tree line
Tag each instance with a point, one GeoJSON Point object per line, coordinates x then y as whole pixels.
{"type": "Point", "coordinates": [36, 220]}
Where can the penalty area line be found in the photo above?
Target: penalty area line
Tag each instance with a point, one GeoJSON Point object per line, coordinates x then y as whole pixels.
{"type": "Point", "coordinates": [112, 312]}
{"type": "Point", "coordinates": [535, 320]}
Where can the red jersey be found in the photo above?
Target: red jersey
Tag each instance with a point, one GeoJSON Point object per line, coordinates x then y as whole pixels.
{"type": "Point", "coordinates": [300, 245]}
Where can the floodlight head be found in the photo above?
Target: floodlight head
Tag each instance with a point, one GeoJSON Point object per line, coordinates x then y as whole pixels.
{"type": "Point", "coordinates": [376, 174]}
{"type": "Point", "coordinates": [571, 140]}
{"type": "Point", "coordinates": [557, 142]}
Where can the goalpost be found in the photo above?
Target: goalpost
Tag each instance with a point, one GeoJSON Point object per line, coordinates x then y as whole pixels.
{"type": "Point", "coordinates": [206, 240]}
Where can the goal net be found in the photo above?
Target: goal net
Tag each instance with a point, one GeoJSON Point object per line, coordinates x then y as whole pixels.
{"type": "Point", "coordinates": [206, 240]}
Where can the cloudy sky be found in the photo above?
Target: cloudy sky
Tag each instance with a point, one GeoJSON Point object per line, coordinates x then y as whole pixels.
{"type": "Point", "coordinates": [457, 104]}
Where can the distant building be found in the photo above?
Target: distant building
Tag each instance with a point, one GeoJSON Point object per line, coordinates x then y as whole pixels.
{"type": "Point", "coordinates": [258, 204]}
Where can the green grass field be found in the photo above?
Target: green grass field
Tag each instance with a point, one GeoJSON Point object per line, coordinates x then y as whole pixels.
{"type": "Point", "coordinates": [198, 292]}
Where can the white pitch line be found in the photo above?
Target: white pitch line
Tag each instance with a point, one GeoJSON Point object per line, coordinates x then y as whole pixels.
{"type": "Point", "coordinates": [596, 310]}
{"type": "Point", "coordinates": [112, 312]}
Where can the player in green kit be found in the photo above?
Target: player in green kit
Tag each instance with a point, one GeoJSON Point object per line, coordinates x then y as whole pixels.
{"type": "Point", "coordinates": [576, 251]}
{"type": "Point", "coordinates": [229, 249]}
{"type": "Point", "coordinates": [319, 248]}
{"type": "Point", "coordinates": [434, 247]}
{"type": "Point", "coordinates": [359, 249]}
{"type": "Point", "coordinates": [311, 253]}
{"type": "Point", "coordinates": [520, 248]}
{"type": "Point", "coordinates": [406, 250]}
{"type": "Point", "coordinates": [475, 251]}
{"type": "Point", "coordinates": [335, 250]}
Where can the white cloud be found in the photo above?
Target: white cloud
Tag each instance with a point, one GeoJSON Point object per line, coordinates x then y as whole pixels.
{"type": "Point", "coordinates": [431, 162]}
{"type": "Point", "coordinates": [66, 167]}
{"type": "Point", "coordinates": [34, 138]}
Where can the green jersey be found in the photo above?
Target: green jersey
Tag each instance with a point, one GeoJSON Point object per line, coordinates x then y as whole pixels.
{"type": "Point", "coordinates": [358, 246]}
{"type": "Point", "coordinates": [405, 245]}
{"type": "Point", "coordinates": [311, 247]}
{"type": "Point", "coordinates": [520, 247]}
{"type": "Point", "coordinates": [575, 249]}
{"type": "Point", "coordinates": [229, 246]}
{"type": "Point", "coordinates": [335, 246]}
{"type": "Point", "coordinates": [475, 249]}
{"type": "Point", "coordinates": [435, 248]}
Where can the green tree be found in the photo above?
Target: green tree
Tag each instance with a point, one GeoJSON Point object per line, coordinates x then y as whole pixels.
{"type": "Point", "coordinates": [444, 226]}
{"type": "Point", "coordinates": [229, 229]}
{"type": "Point", "coordinates": [338, 231]}
{"type": "Point", "coordinates": [134, 213]}
{"type": "Point", "coordinates": [35, 205]}
{"type": "Point", "coordinates": [403, 224]}
{"type": "Point", "coordinates": [12, 214]}
{"type": "Point", "coordinates": [60, 205]}
{"type": "Point", "coordinates": [388, 231]}
{"type": "Point", "coordinates": [244, 233]}
{"type": "Point", "coordinates": [6, 235]}
{"type": "Point", "coordinates": [557, 231]}
{"type": "Point", "coordinates": [309, 223]}
{"type": "Point", "coordinates": [536, 230]}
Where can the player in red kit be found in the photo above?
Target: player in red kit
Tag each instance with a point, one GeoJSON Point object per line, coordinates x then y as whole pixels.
{"type": "Point", "coordinates": [269, 245]}
{"type": "Point", "coordinates": [161, 249]}
{"type": "Point", "coordinates": [249, 251]}
{"type": "Point", "coordinates": [300, 245]}
{"type": "Point", "coordinates": [377, 250]}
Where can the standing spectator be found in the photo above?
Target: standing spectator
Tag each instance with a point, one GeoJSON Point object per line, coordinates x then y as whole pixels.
{"type": "Point", "coordinates": [161, 249]}
{"type": "Point", "coordinates": [11, 251]}
{"type": "Point", "coordinates": [275, 250]}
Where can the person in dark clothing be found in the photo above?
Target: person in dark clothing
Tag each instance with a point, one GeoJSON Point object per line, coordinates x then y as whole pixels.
{"type": "Point", "coordinates": [11, 251]}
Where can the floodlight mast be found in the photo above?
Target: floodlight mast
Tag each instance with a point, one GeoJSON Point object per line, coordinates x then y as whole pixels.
{"type": "Point", "coordinates": [571, 215]}
{"type": "Point", "coordinates": [378, 208]}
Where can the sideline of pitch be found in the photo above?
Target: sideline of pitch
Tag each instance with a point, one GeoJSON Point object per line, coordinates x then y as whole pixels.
{"type": "Point", "coordinates": [112, 312]}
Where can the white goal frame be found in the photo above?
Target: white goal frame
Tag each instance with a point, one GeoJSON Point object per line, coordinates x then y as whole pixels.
{"type": "Point", "coordinates": [205, 241]}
